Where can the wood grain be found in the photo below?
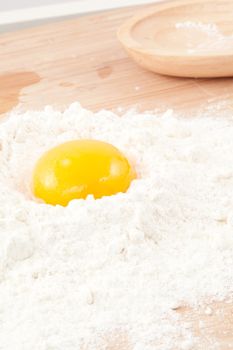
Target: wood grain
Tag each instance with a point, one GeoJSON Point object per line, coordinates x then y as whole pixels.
{"type": "Point", "coordinates": [11, 86]}
{"type": "Point", "coordinates": [80, 59]}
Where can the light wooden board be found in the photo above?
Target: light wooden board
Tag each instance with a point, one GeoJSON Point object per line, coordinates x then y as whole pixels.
{"type": "Point", "coordinates": [81, 60]}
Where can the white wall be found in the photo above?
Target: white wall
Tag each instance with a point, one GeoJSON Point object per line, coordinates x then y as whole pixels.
{"type": "Point", "coordinates": [48, 9]}
{"type": "Point", "coordinates": [6, 5]}
{"type": "Point", "coordinates": [10, 5]}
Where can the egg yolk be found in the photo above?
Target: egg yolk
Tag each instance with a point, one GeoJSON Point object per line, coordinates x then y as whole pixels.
{"type": "Point", "coordinates": [76, 169]}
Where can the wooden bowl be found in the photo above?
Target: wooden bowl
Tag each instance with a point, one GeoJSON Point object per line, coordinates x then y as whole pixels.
{"type": "Point", "coordinates": [183, 38]}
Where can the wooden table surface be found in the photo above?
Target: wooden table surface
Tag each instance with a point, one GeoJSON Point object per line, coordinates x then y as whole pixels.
{"type": "Point", "coordinates": [80, 59]}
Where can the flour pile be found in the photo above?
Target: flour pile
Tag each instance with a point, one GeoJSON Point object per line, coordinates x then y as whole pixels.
{"type": "Point", "coordinates": [71, 277]}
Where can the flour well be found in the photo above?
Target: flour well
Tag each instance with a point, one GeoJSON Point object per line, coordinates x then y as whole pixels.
{"type": "Point", "coordinates": [77, 276]}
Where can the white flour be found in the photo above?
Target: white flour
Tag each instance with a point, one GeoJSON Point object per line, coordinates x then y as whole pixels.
{"type": "Point", "coordinates": [210, 37]}
{"type": "Point", "coordinates": [119, 265]}
{"type": "Point", "coordinates": [209, 28]}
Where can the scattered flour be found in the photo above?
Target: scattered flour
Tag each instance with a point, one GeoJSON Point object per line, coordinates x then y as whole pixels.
{"type": "Point", "coordinates": [71, 277]}
{"type": "Point", "coordinates": [209, 28]}
{"type": "Point", "coordinates": [213, 38]}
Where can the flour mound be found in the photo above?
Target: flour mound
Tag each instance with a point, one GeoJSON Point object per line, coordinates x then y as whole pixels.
{"type": "Point", "coordinates": [72, 277]}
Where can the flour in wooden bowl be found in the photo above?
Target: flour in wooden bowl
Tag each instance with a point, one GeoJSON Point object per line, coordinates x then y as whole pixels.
{"type": "Point", "coordinates": [71, 277]}
{"type": "Point", "coordinates": [210, 37]}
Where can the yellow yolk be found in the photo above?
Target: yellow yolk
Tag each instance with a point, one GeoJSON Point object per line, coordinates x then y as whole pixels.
{"type": "Point", "coordinates": [76, 169]}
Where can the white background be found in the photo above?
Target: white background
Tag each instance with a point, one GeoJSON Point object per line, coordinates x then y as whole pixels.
{"type": "Point", "coordinates": [15, 14]}
{"type": "Point", "coordinates": [6, 5]}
